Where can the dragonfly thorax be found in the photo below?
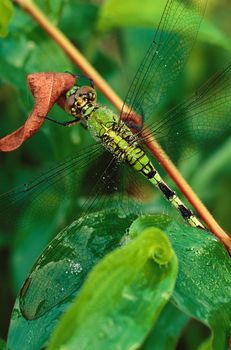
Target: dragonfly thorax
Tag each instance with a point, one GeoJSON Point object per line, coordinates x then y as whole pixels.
{"type": "Point", "coordinates": [80, 101]}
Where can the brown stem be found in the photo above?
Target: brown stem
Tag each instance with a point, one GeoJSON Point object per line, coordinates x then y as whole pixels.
{"type": "Point", "coordinates": [107, 91]}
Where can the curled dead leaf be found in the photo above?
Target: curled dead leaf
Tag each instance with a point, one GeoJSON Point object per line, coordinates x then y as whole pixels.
{"type": "Point", "coordinates": [47, 89]}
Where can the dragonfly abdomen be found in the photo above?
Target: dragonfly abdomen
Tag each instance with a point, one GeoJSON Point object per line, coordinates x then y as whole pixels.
{"type": "Point", "coordinates": [176, 202]}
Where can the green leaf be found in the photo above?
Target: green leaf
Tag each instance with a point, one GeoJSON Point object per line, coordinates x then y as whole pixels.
{"type": "Point", "coordinates": [84, 242]}
{"type": "Point", "coordinates": [167, 330]}
{"type": "Point", "coordinates": [203, 285]}
{"type": "Point", "coordinates": [122, 297]}
{"type": "Point", "coordinates": [201, 291]}
{"type": "Point", "coordinates": [6, 12]}
{"type": "Point", "coordinates": [117, 13]}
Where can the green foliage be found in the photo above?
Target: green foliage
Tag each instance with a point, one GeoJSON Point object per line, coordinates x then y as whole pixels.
{"type": "Point", "coordinates": [113, 35]}
{"type": "Point", "coordinates": [122, 296]}
{"type": "Point", "coordinates": [83, 243]}
{"type": "Point", "coordinates": [196, 294]}
{"type": "Point", "coordinates": [6, 11]}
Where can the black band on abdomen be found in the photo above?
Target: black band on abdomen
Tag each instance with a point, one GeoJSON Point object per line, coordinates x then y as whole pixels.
{"type": "Point", "coordinates": [185, 212]}
{"type": "Point", "coordinates": [166, 190]}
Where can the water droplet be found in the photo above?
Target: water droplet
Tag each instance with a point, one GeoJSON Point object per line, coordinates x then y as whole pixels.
{"type": "Point", "coordinates": [75, 268]}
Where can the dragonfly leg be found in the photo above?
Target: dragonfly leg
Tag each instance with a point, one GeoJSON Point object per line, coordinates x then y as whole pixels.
{"type": "Point", "coordinates": [82, 76]}
{"type": "Point", "coordinates": [67, 123]}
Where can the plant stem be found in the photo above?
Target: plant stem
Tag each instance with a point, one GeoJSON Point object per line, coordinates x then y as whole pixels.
{"type": "Point", "coordinates": [109, 93]}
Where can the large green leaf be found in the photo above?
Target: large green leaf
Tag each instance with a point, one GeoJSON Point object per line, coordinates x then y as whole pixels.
{"type": "Point", "coordinates": [203, 288]}
{"type": "Point", "coordinates": [118, 13]}
{"type": "Point", "coordinates": [84, 243]}
{"type": "Point", "coordinates": [122, 297]}
{"type": "Point", "coordinates": [6, 11]}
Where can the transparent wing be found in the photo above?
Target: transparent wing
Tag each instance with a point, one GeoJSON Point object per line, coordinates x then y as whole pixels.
{"type": "Point", "coordinates": [202, 119]}
{"type": "Point", "coordinates": [165, 57]}
{"type": "Point", "coordinates": [49, 178]}
{"type": "Point", "coordinates": [38, 209]}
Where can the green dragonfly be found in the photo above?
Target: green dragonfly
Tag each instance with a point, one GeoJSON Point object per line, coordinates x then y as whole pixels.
{"type": "Point", "coordinates": [159, 69]}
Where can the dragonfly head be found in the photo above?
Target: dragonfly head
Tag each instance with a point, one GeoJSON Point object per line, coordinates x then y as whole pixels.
{"type": "Point", "coordinates": [80, 101]}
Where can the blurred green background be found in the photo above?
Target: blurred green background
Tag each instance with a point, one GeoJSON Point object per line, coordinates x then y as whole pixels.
{"type": "Point", "coordinates": [114, 39]}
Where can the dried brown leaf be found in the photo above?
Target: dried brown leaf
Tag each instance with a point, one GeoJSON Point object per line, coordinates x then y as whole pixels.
{"type": "Point", "coordinates": [47, 89]}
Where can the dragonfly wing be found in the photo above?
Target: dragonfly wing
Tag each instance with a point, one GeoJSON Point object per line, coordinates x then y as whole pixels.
{"type": "Point", "coordinates": [165, 57]}
{"type": "Point", "coordinates": [53, 176]}
{"type": "Point", "coordinates": [38, 209]}
{"type": "Point", "coordinates": [202, 119]}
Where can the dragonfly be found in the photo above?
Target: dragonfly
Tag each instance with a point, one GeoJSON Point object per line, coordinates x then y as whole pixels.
{"type": "Point", "coordinates": [122, 140]}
